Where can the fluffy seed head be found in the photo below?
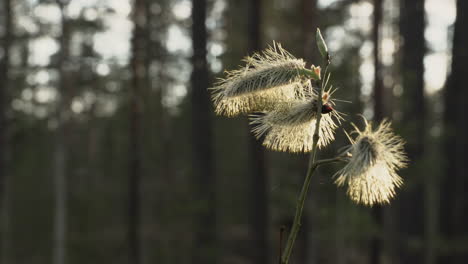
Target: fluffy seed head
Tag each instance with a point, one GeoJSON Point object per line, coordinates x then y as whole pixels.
{"type": "Point", "coordinates": [371, 173]}
{"type": "Point", "coordinates": [291, 125]}
{"type": "Point", "coordinates": [267, 78]}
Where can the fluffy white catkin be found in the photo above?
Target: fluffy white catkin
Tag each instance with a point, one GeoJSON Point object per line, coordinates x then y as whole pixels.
{"type": "Point", "coordinates": [268, 77]}
{"type": "Point", "coordinates": [371, 173]}
{"type": "Point", "coordinates": [291, 126]}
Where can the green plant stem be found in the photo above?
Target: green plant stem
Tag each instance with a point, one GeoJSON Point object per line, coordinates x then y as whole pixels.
{"type": "Point", "coordinates": [310, 171]}
{"type": "Point", "coordinates": [300, 206]}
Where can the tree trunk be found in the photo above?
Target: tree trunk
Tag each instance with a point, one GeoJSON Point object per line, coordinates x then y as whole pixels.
{"type": "Point", "coordinates": [203, 170]}
{"type": "Point", "coordinates": [379, 108]}
{"type": "Point", "coordinates": [412, 25]}
{"type": "Point", "coordinates": [60, 151]}
{"type": "Point", "coordinates": [60, 187]}
{"type": "Point", "coordinates": [135, 171]}
{"type": "Point", "coordinates": [4, 102]}
{"type": "Point", "coordinates": [454, 207]}
{"type": "Point", "coordinates": [259, 223]}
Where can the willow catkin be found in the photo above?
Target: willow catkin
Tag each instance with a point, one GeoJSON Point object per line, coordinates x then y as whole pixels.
{"type": "Point", "coordinates": [268, 77]}
{"type": "Point", "coordinates": [371, 173]}
{"type": "Point", "coordinates": [291, 126]}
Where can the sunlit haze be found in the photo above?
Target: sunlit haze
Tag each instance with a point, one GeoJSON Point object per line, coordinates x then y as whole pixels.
{"type": "Point", "coordinates": [114, 41]}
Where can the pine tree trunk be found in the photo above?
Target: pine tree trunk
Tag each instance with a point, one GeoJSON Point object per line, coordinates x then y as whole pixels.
{"type": "Point", "coordinates": [4, 78]}
{"type": "Point", "coordinates": [60, 187]}
{"type": "Point", "coordinates": [378, 83]}
{"type": "Point", "coordinates": [135, 171]}
{"type": "Point", "coordinates": [4, 83]}
{"type": "Point", "coordinates": [203, 169]}
{"type": "Point", "coordinates": [412, 25]}
{"type": "Point", "coordinates": [258, 201]}
{"type": "Point", "coordinates": [379, 108]}
{"type": "Point", "coordinates": [454, 206]}
{"type": "Point", "coordinates": [60, 151]}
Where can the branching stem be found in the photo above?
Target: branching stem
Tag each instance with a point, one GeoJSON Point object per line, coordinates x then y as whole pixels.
{"type": "Point", "coordinates": [313, 164]}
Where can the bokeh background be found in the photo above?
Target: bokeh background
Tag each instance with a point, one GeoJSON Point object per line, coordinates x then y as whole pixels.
{"type": "Point", "coordinates": [110, 151]}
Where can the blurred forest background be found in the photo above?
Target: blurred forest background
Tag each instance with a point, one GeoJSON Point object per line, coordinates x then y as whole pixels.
{"type": "Point", "coordinates": [110, 151]}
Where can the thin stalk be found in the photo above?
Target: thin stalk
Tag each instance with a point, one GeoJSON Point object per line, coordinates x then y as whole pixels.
{"type": "Point", "coordinates": [310, 171]}
{"type": "Point", "coordinates": [300, 205]}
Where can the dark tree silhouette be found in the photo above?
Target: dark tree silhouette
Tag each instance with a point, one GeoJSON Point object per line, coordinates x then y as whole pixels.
{"type": "Point", "coordinates": [412, 25]}
{"type": "Point", "coordinates": [4, 83]}
{"type": "Point", "coordinates": [61, 152]}
{"type": "Point", "coordinates": [379, 109]}
{"type": "Point", "coordinates": [454, 206]}
{"type": "Point", "coordinates": [203, 171]}
{"type": "Point", "coordinates": [4, 70]}
{"type": "Point", "coordinates": [138, 66]}
{"type": "Point", "coordinates": [378, 82]}
{"type": "Point", "coordinates": [259, 223]}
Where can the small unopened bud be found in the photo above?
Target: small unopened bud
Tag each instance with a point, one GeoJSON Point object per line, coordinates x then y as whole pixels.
{"type": "Point", "coordinates": [322, 46]}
